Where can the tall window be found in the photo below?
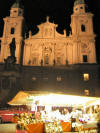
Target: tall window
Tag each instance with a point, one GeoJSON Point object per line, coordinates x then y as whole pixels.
{"type": "Point", "coordinates": [83, 28]}
{"type": "Point", "coordinates": [86, 92]}
{"type": "Point", "coordinates": [85, 59]}
{"type": "Point", "coordinates": [12, 30]}
{"type": "Point", "coordinates": [86, 76]}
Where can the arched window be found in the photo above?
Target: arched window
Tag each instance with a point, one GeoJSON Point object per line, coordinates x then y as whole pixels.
{"type": "Point", "coordinates": [12, 30]}
{"type": "Point", "coordinates": [83, 28]}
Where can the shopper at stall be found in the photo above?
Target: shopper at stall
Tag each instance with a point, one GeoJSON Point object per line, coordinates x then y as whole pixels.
{"type": "Point", "coordinates": [67, 115]}
{"type": "Point", "coordinates": [74, 115]}
{"type": "Point", "coordinates": [98, 118]}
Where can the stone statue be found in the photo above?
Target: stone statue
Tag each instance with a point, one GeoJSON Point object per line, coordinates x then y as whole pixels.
{"type": "Point", "coordinates": [10, 61]}
{"type": "Point", "coordinates": [12, 48]}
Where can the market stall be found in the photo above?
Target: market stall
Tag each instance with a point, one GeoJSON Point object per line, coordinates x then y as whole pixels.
{"type": "Point", "coordinates": [60, 111]}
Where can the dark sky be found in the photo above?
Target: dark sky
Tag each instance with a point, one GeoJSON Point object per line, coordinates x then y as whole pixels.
{"type": "Point", "coordinates": [59, 11]}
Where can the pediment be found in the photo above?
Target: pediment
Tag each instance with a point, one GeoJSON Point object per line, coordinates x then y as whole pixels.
{"type": "Point", "coordinates": [47, 30]}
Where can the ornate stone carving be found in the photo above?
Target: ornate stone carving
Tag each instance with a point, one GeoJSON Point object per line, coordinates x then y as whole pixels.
{"type": "Point", "coordinates": [47, 49]}
{"type": "Point", "coordinates": [84, 48]}
{"type": "Point", "coordinates": [48, 32]}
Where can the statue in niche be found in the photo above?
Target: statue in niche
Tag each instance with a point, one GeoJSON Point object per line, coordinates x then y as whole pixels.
{"type": "Point", "coordinates": [41, 62]}
{"type": "Point", "coordinates": [10, 61]}
{"type": "Point", "coordinates": [12, 47]}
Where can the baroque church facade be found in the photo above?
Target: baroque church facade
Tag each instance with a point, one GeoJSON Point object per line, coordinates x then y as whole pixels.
{"type": "Point", "coordinates": [49, 54]}
{"type": "Point", "coordinates": [48, 46]}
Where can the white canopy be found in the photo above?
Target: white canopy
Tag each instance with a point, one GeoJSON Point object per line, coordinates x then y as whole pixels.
{"type": "Point", "coordinates": [52, 99]}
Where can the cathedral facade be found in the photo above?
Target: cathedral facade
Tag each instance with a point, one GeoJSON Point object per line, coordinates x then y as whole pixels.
{"type": "Point", "coordinates": [48, 47]}
{"type": "Point", "coordinates": [48, 59]}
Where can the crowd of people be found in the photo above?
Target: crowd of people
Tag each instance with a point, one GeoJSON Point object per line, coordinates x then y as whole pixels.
{"type": "Point", "coordinates": [55, 116]}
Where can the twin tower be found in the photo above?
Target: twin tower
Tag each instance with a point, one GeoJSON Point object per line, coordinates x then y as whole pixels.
{"type": "Point", "coordinates": [48, 47]}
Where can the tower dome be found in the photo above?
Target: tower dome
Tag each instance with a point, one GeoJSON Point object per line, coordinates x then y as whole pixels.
{"type": "Point", "coordinates": [16, 9]}
{"type": "Point", "coordinates": [79, 6]}
{"type": "Point", "coordinates": [77, 2]}
{"type": "Point", "coordinates": [17, 4]}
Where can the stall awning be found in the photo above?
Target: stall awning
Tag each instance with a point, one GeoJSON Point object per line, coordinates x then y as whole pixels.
{"type": "Point", "coordinates": [20, 99]}
{"type": "Point", "coordinates": [52, 99]}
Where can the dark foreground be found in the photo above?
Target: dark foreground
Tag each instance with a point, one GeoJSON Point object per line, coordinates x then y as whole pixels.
{"type": "Point", "coordinates": [11, 128]}
{"type": "Point", "coordinates": [7, 128]}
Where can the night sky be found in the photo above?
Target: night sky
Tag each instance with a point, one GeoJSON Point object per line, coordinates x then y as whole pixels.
{"type": "Point", "coordinates": [35, 12]}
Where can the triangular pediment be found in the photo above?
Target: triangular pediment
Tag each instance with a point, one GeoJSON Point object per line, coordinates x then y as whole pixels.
{"type": "Point", "coordinates": [47, 30]}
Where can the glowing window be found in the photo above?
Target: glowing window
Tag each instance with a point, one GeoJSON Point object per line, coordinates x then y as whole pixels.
{"type": "Point", "coordinates": [86, 76]}
{"type": "Point", "coordinates": [86, 92]}
{"type": "Point", "coordinates": [59, 78]}
{"type": "Point", "coordinates": [33, 78]}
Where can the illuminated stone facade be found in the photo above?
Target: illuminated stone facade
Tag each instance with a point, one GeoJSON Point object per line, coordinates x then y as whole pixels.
{"type": "Point", "coordinates": [49, 61]}
{"type": "Point", "coordinates": [48, 47]}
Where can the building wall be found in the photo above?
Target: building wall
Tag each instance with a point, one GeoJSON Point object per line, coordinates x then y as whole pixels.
{"type": "Point", "coordinates": [68, 79]}
{"type": "Point", "coordinates": [51, 61]}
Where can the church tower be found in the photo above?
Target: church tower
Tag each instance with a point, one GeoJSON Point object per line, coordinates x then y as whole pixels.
{"type": "Point", "coordinates": [13, 29]}
{"type": "Point", "coordinates": [82, 34]}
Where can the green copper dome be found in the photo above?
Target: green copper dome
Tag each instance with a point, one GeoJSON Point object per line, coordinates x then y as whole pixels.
{"type": "Point", "coordinates": [77, 2]}
{"type": "Point", "coordinates": [17, 4]}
